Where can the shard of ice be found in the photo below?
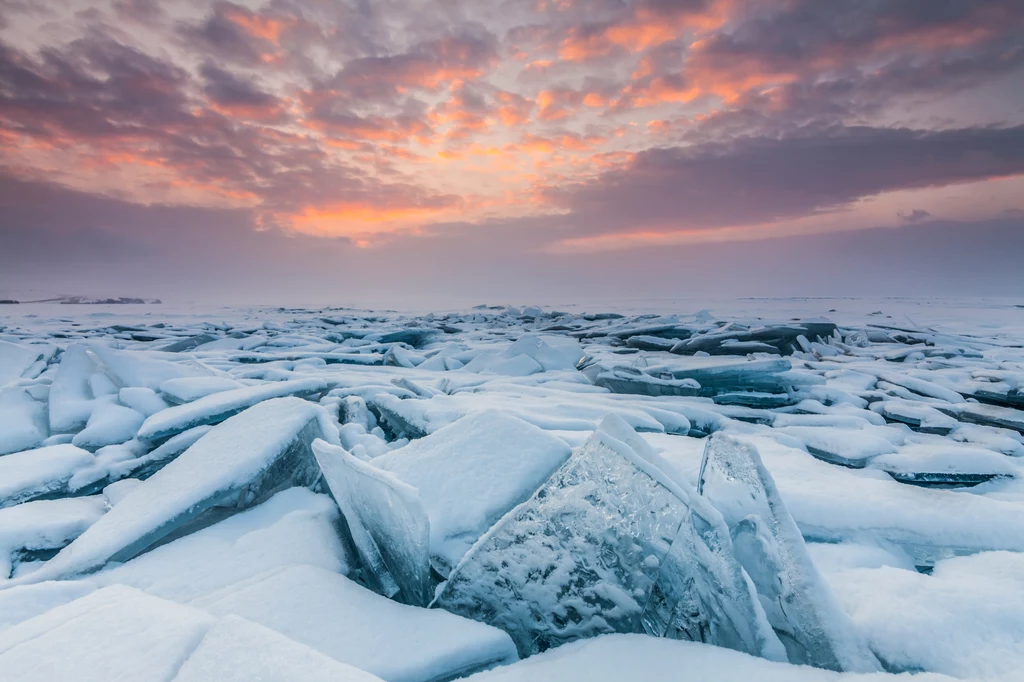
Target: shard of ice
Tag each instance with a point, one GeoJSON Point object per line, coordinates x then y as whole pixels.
{"type": "Point", "coordinates": [421, 507]}
{"type": "Point", "coordinates": [40, 473]}
{"type": "Point", "coordinates": [22, 420]}
{"type": "Point", "coordinates": [217, 407]}
{"type": "Point", "coordinates": [16, 359]}
{"type": "Point", "coordinates": [718, 374]}
{"type": "Point", "coordinates": [469, 473]}
{"type": "Point", "coordinates": [610, 543]}
{"type": "Point", "coordinates": [386, 519]}
{"type": "Point", "coordinates": [630, 380]}
{"type": "Point", "coordinates": [800, 605]}
{"type": "Point", "coordinates": [71, 399]}
{"type": "Point", "coordinates": [780, 338]}
{"type": "Point", "coordinates": [236, 465]}
{"type": "Point", "coordinates": [35, 530]}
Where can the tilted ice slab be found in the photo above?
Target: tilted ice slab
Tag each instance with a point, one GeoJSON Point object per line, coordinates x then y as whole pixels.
{"type": "Point", "coordinates": [295, 526]}
{"type": "Point", "coordinates": [146, 368]}
{"type": "Point", "coordinates": [852, 448]}
{"type": "Point", "coordinates": [219, 406]}
{"type": "Point", "coordinates": [424, 505]}
{"type": "Point", "coordinates": [470, 473]}
{"type": "Point", "coordinates": [46, 471]}
{"type": "Point", "coordinates": [387, 521]}
{"type": "Point", "coordinates": [43, 525]}
{"type": "Point", "coordinates": [945, 463]}
{"type": "Point", "coordinates": [986, 415]}
{"type": "Point", "coordinates": [241, 462]}
{"type": "Point", "coordinates": [22, 420]}
{"type": "Point", "coordinates": [351, 624]}
{"type": "Point", "coordinates": [618, 658]}
{"type": "Point", "coordinates": [187, 389]}
{"type": "Point", "coordinates": [610, 543]}
{"type": "Point", "coordinates": [71, 399]}
{"type": "Point", "coordinates": [16, 359]}
{"type": "Point", "coordinates": [800, 606]}
{"type": "Point", "coordinates": [238, 650]}
{"type": "Point", "coordinates": [109, 424]}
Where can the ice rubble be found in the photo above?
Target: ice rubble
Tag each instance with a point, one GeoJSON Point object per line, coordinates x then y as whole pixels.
{"type": "Point", "coordinates": [469, 473]}
{"type": "Point", "coordinates": [217, 407]}
{"type": "Point", "coordinates": [610, 543]}
{"type": "Point", "coordinates": [463, 471]}
{"type": "Point", "coordinates": [251, 456]}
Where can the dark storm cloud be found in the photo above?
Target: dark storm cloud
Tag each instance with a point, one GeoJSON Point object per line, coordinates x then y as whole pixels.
{"type": "Point", "coordinates": [755, 180]}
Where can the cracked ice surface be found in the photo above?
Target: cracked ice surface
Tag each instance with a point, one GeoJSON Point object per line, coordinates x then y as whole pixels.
{"type": "Point", "coordinates": [168, 512]}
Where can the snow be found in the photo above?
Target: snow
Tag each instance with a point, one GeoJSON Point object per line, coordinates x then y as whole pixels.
{"type": "Point", "coordinates": [141, 399]}
{"type": "Point", "coordinates": [219, 406]}
{"type": "Point", "coordinates": [242, 460]}
{"type": "Point", "coordinates": [148, 369]}
{"type": "Point", "coordinates": [273, 493]}
{"type": "Point", "coordinates": [110, 635]}
{"type": "Point", "coordinates": [15, 359]}
{"type": "Point", "coordinates": [22, 421]}
{"type": "Point", "coordinates": [237, 650]}
{"type": "Point", "coordinates": [71, 398]}
{"type": "Point", "coordinates": [337, 617]}
{"type": "Point", "coordinates": [34, 473]}
{"type": "Point", "coordinates": [187, 389]}
{"type": "Point", "coordinates": [295, 526]}
{"type": "Point", "coordinates": [469, 473]}
{"type": "Point", "coordinates": [45, 524]}
{"type": "Point", "coordinates": [109, 424]}
{"type": "Point", "coordinates": [614, 658]}
{"type": "Point", "coordinates": [20, 603]}
{"type": "Point", "coordinates": [966, 619]}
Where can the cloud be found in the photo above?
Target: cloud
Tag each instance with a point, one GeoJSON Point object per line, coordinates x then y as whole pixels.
{"type": "Point", "coordinates": [916, 216]}
{"type": "Point", "coordinates": [758, 179]}
{"type": "Point", "coordinates": [62, 241]}
{"type": "Point", "coordinates": [377, 121]}
{"type": "Point", "coordinates": [233, 95]}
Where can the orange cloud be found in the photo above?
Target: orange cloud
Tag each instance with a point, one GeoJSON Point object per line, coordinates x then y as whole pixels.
{"type": "Point", "coordinates": [646, 28]}
{"type": "Point", "coordinates": [360, 220]}
{"type": "Point", "coordinates": [257, 25]}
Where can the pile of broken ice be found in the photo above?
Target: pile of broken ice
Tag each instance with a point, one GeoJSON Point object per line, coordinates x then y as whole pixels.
{"type": "Point", "coordinates": [365, 496]}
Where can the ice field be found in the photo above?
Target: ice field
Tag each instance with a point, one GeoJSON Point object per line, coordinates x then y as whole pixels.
{"type": "Point", "coordinates": [787, 489]}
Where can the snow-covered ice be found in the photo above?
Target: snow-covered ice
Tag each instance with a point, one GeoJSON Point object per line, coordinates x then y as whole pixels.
{"type": "Point", "coordinates": [731, 490]}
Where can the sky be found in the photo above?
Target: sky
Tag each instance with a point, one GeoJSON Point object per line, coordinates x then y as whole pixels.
{"type": "Point", "coordinates": [380, 151]}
